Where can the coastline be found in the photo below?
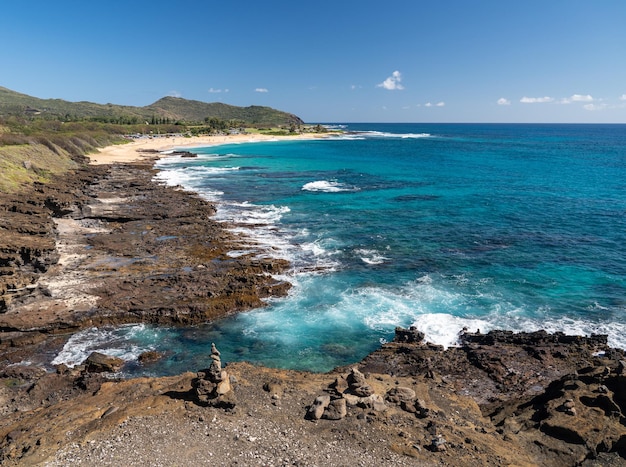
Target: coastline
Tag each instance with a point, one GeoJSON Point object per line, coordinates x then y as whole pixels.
{"type": "Point", "coordinates": [500, 399]}
{"type": "Point", "coordinates": [149, 147]}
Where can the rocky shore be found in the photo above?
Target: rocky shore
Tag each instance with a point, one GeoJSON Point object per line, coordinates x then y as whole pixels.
{"type": "Point", "coordinates": [108, 245]}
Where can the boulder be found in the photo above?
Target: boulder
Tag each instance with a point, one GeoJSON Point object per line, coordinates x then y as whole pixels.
{"type": "Point", "coordinates": [149, 356]}
{"type": "Point", "coordinates": [400, 394]}
{"type": "Point", "coordinates": [411, 335]}
{"type": "Point", "coordinates": [336, 410]}
{"type": "Point", "coordinates": [317, 408]}
{"type": "Point", "coordinates": [100, 363]}
{"type": "Point", "coordinates": [357, 384]}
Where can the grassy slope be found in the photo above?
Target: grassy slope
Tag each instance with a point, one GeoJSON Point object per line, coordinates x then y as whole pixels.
{"type": "Point", "coordinates": [23, 164]}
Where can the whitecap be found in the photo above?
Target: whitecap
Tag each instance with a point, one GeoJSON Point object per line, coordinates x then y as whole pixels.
{"type": "Point", "coordinates": [327, 186]}
{"type": "Point", "coordinates": [383, 134]}
{"type": "Point", "coordinates": [371, 257]}
{"type": "Point", "coordinates": [443, 329]}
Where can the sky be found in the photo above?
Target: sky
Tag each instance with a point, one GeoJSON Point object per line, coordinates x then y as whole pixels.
{"type": "Point", "coordinates": [535, 61]}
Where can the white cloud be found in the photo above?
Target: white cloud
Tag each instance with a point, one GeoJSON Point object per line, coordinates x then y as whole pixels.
{"type": "Point", "coordinates": [174, 94]}
{"type": "Point", "coordinates": [217, 91]}
{"type": "Point", "coordinates": [503, 101]}
{"type": "Point", "coordinates": [593, 107]}
{"type": "Point", "coordinates": [622, 97]}
{"type": "Point", "coordinates": [393, 82]}
{"type": "Point", "coordinates": [577, 98]}
{"type": "Point", "coordinates": [535, 100]}
{"type": "Point", "coordinates": [428, 104]}
{"type": "Point", "coordinates": [440, 104]}
{"type": "Point", "coordinates": [261, 90]}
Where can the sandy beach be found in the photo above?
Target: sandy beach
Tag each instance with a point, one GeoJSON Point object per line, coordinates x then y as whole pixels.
{"type": "Point", "coordinates": [136, 150]}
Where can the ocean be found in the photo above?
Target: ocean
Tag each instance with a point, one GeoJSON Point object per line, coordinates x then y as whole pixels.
{"type": "Point", "coordinates": [440, 226]}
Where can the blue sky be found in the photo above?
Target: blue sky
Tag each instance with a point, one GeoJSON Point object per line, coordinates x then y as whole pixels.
{"type": "Point", "coordinates": [329, 61]}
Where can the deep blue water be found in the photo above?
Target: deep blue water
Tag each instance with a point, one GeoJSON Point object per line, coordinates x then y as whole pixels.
{"type": "Point", "coordinates": [441, 226]}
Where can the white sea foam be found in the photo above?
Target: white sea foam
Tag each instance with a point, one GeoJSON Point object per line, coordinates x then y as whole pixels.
{"type": "Point", "coordinates": [248, 213]}
{"type": "Point", "coordinates": [382, 134]}
{"type": "Point", "coordinates": [112, 342]}
{"type": "Point", "coordinates": [616, 332]}
{"type": "Point", "coordinates": [348, 136]}
{"type": "Point", "coordinates": [444, 329]}
{"type": "Point", "coordinates": [327, 186]}
{"type": "Point", "coordinates": [426, 306]}
{"type": "Point", "coordinates": [371, 257]}
{"type": "Point", "coordinates": [187, 177]}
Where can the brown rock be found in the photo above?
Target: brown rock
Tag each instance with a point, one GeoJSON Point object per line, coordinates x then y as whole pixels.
{"type": "Point", "coordinates": [149, 356]}
{"type": "Point", "coordinates": [357, 384]}
{"type": "Point", "coordinates": [400, 394]}
{"type": "Point", "coordinates": [316, 410]}
{"type": "Point", "coordinates": [336, 410]}
{"type": "Point", "coordinates": [100, 363]}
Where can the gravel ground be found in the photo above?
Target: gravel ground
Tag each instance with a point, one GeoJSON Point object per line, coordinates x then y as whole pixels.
{"type": "Point", "coordinates": [216, 438]}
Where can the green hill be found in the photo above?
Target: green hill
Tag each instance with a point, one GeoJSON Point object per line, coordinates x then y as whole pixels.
{"type": "Point", "coordinates": [177, 108]}
{"type": "Point", "coordinates": [172, 108]}
{"type": "Point", "coordinates": [15, 103]}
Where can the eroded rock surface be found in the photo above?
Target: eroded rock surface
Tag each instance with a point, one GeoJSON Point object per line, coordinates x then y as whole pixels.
{"type": "Point", "coordinates": [108, 245]}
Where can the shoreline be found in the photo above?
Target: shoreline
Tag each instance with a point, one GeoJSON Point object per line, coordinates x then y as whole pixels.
{"type": "Point", "coordinates": [501, 399]}
{"type": "Point", "coordinates": [148, 148]}
{"type": "Point", "coordinates": [123, 249]}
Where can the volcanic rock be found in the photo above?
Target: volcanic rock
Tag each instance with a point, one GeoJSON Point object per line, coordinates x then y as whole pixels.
{"type": "Point", "coordinates": [336, 410]}
{"type": "Point", "coordinates": [100, 363]}
{"type": "Point", "coordinates": [318, 407]}
{"type": "Point", "coordinates": [357, 384]}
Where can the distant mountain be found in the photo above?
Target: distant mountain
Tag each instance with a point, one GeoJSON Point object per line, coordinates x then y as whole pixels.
{"type": "Point", "coordinates": [177, 108]}
{"type": "Point", "coordinates": [174, 108]}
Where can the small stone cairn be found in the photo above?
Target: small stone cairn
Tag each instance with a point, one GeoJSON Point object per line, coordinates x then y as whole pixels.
{"type": "Point", "coordinates": [212, 386]}
{"type": "Point", "coordinates": [354, 392]}
{"type": "Point", "coordinates": [350, 391]}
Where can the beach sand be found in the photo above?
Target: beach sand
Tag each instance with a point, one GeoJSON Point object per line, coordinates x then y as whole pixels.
{"type": "Point", "coordinates": [136, 150]}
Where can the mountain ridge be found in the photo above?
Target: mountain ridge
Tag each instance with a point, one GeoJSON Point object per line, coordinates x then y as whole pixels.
{"type": "Point", "coordinates": [13, 103]}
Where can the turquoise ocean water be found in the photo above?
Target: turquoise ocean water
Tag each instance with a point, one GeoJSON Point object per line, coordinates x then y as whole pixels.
{"type": "Point", "coordinates": [441, 226]}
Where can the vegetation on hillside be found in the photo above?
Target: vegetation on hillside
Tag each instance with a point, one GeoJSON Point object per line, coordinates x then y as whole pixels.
{"type": "Point", "coordinates": [169, 109]}
{"type": "Point", "coordinates": [43, 137]}
{"type": "Point", "coordinates": [196, 111]}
